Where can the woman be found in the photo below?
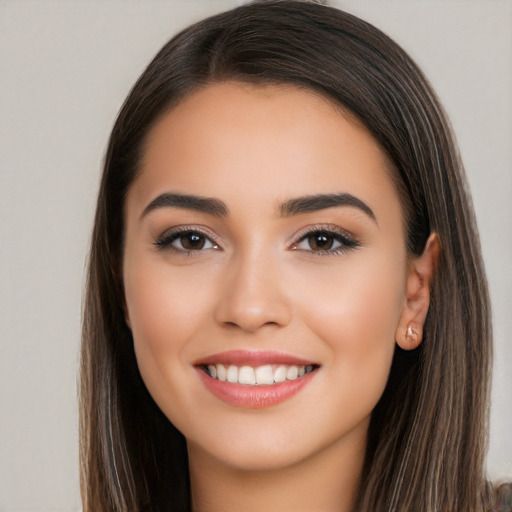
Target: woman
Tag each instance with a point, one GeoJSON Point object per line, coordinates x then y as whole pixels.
{"type": "Point", "coordinates": [286, 305]}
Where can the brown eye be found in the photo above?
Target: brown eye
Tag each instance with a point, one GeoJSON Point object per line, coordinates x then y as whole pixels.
{"type": "Point", "coordinates": [192, 241]}
{"type": "Point", "coordinates": [186, 241]}
{"type": "Point", "coordinates": [326, 242]}
{"type": "Point", "coordinates": [320, 241]}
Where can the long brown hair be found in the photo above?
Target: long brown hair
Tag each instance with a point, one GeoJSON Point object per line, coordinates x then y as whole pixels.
{"type": "Point", "coordinates": [427, 437]}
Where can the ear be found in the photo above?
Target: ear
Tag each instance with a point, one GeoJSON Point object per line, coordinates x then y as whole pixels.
{"type": "Point", "coordinates": [409, 333]}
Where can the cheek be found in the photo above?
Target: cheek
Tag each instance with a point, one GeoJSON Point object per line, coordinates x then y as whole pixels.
{"type": "Point", "coordinates": [356, 316]}
{"type": "Point", "coordinates": [161, 319]}
{"type": "Point", "coordinates": [150, 310]}
{"type": "Point", "coordinates": [164, 306]}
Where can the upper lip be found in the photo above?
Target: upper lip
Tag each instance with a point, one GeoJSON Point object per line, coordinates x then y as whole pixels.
{"type": "Point", "coordinates": [253, 358]}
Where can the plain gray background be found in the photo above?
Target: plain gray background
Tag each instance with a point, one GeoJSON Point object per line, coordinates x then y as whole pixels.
{"type": "Point", "coordinates": [66, 66]}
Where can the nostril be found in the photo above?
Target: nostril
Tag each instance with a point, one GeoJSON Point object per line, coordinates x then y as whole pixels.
{"type": "Point", "coordinates": [250, 326]}
{"type": "Point", "coordinates": [251, 299]}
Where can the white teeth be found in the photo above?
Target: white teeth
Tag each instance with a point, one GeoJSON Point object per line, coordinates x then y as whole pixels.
{"type": "Point", "coordinates": [212, 370]}
{"type": "Point", "coordinates": [280, 374]}
{"type": "Point", "coordinates": [232, 374]}
{"type": "Point", "coordinates": [262, 375]}
{"type": "Point", "coordinates": [246, 375]}
{"type": "Point", "coordinates": [221, 372]}
{"type": "Point", "coordinates": [292, 373]}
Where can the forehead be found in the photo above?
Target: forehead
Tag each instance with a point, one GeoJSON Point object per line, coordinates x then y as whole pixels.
{"type": "Point", "coordinates": [262, 144]}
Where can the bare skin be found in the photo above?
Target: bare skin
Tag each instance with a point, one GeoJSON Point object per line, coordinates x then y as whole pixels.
{"type": "Point", "coordinates": [325, 483]}
{"type": "Point", "coordinates": [292, 244]}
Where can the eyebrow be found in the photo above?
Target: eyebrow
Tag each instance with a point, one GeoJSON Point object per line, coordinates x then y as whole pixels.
{"type": "Point", "coordinates": [318, 202]}
{"type": "Point", "coordinates": [209, 205]}
{"type": "Point", "coordinates": [295, 206]}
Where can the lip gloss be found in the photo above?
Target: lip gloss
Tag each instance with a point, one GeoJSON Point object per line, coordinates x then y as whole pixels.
{"type": "Point", "coordinates": [253, 396]}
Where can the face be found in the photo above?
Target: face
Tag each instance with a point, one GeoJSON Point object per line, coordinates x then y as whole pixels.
{"type": "Point", "coordinates": [265, 274]}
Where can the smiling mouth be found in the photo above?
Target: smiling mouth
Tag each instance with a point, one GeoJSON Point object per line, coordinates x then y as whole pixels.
{"type": "Point", "coordinates": [265, 375]}
{"type": "Point", "coordinates": [255, 379]}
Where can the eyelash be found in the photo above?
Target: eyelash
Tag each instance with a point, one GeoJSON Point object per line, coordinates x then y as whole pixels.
{"type": "Point", "coordinates": [346, 241]}
{"type": "Point", "coordinates": [165, 241]}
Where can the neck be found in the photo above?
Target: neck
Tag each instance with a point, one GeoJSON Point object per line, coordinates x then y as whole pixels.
{"type": "Point", "coordinates": [325, 482]}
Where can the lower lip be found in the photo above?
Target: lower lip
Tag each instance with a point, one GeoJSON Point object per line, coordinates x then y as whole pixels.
{"type": "Point", "coordinates": [254, 397]}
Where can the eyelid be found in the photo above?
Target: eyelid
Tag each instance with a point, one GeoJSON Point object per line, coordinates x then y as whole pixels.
{"type": "Point", "coordinates": [163, 241]}
{"type": "Point", "coordinates": [348, 240]}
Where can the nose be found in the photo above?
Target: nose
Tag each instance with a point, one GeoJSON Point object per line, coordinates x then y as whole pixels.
{"type": "Point", "coordinates": [253, 295]}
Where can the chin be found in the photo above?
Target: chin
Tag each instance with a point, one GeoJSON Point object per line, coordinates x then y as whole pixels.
{"type": "Point", "coordinates": [255, 456]}
{"type": "Point", "coordinates": [276, 448]}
